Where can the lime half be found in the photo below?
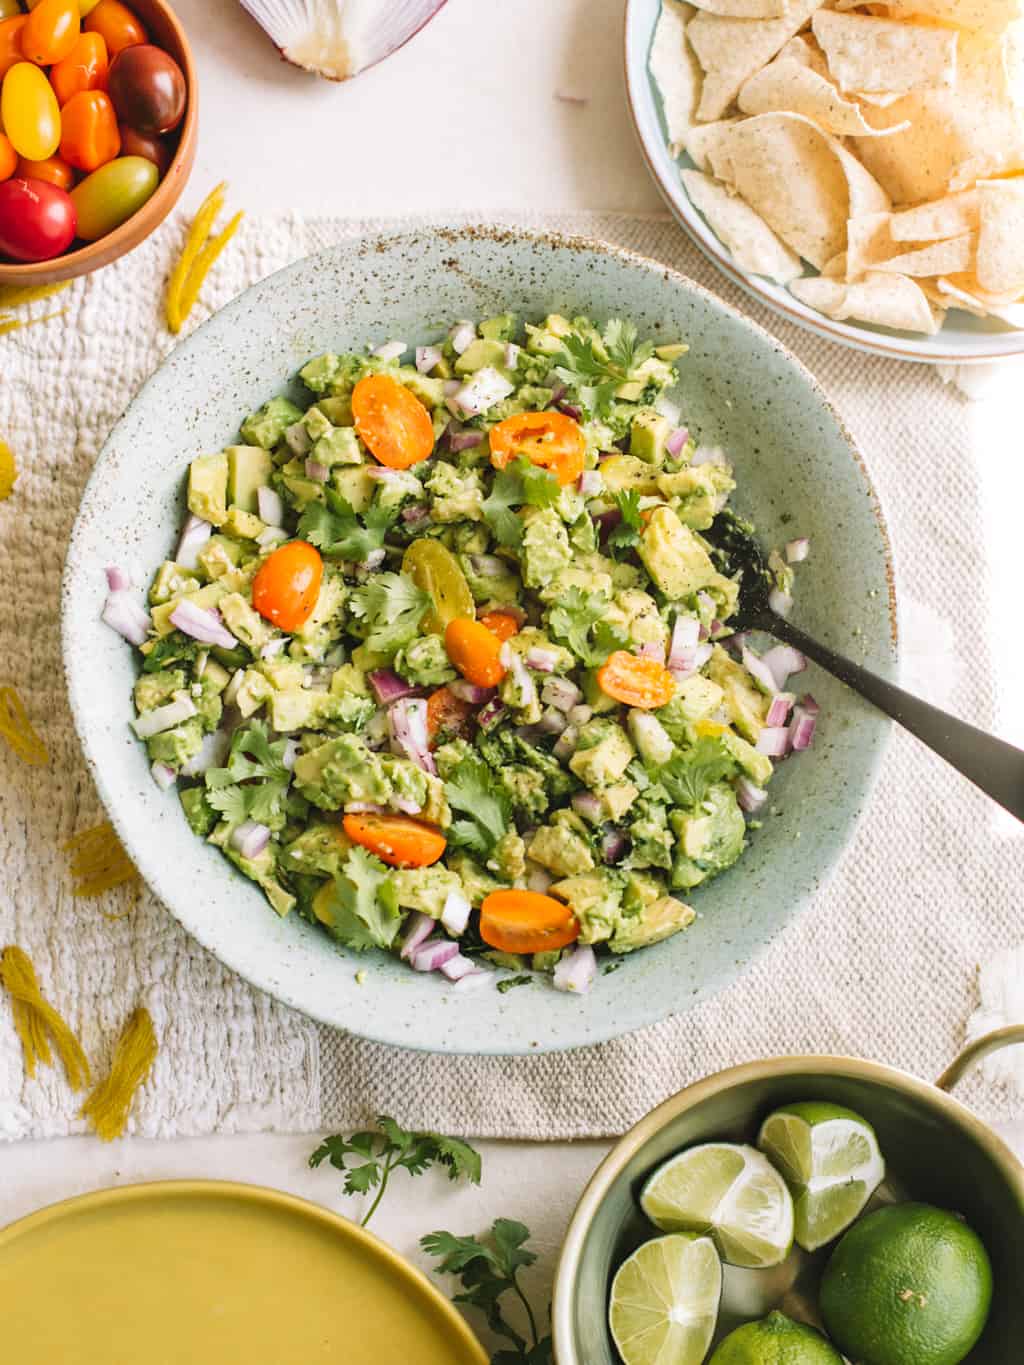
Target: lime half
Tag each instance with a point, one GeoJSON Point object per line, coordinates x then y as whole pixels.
{"type": "Point", "coordinates": [664, 1302]}
{"type": "Point", "coordinates": [732, 1192]}
{"type": "Point", "coordinates": [830, 1159]}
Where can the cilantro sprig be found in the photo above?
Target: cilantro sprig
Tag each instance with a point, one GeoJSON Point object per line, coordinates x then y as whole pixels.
{"type": "Point", "coordinates": [471, 791]}
{"type": "Point", "coordinates": [364, 905]}
{"type": "Point", "coordinates": [626, 535]}
{"type": "Point", "coordinates": [334, 527]}
{"type": "Point", "coordinates": [368, 1158]}
{"type": "Point", "coordinates": [518, 484]}
{"type": "Point", "coordinates": [578, 621]}
{"type": "Point", "coordinates": [257, 762]}
{"type": "Point", "coordinates": [688, 775]}
{"type": "Point", "coordinates": [597, 366]}
{"type": "Point", "coordinates": [391, 606]}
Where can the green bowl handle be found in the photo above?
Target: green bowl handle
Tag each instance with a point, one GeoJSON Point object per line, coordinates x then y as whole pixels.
{"type": "Point", "coordinates": [980, 1048]}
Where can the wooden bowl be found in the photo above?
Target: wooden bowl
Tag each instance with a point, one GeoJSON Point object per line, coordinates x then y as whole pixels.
{"type": "Point", "coordinates": [166, 31]}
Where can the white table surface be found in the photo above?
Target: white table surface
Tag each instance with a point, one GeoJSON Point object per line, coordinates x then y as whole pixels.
{"type": "Point", "coordinates": [465, 117]}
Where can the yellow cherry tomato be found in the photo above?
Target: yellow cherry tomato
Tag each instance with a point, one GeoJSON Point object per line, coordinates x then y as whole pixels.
{"type": "Point", "coordinates": [434, 568]}
{"type": "Point", "coordinates": [29, 112]}
{"type": "Point", "coordinates": [9, 9]}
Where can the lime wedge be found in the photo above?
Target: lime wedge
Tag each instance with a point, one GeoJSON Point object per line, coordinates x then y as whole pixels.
{"type": "Point", "coordinates": [664, 1302]}
{"type": "Point", "coordinates": [729, 1191]}
{"type": "Point", "coordinates": [830, 1159]}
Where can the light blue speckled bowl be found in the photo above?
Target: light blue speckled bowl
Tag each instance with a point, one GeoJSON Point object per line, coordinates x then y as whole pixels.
{"type": "Point", "coordinates": [798, 473]}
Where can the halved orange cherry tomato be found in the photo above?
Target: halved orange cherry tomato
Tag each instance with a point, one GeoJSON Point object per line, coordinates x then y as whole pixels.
{"type": "Point", "coordinates": [8, 158]}
{"type": "Point", "coordinates": [639, 682]}
{"type": "Point", "coordinates": [89, 135]}
{"type": "Point", "coordinates": [397, 840]}
{"type": "Point", "coordinates": [118, 25]}
{"type": "Point", "coordinates": [51, 32]}
{"type": "Point", "coordinates": [10, 43]}
{"type": "Point", "coordinates": [53, 170]}
{"type": "Point", "coordinates": [391, 421]}
{"type": "Point", "coordinates": [287, 585]}
{"type": "Point", "coordinates": [84, 68]}
{"type": "Point", "coordinates": [549, 439]}
{"type": "Point", "coordinates": [526, 922]}
{"type": "Point", "coordinates": [474, 651]}
{"type": "Point", "coordinates": [447, 714]}
{"type": "Point", "coordinates": [501, 624]}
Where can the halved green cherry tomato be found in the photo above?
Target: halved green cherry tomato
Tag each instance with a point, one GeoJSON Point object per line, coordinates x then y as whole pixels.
{"type": "Point", "coordinates": [434, 568]}
{"type": "Point", "coordinates": [84, 68]}
{"type": "Point", "coordinates": [549, 439]}
{"type": "Point", "coordinates": [89, 133]}
{"type": "Point", "coordinates": [29, 112]}
{"type": "Point", "coordinates": [51, 32]}
{"type": "Point", "coordinates": [53, 170]}
{"type": "Point", "coordinates": [287, 585]}
{"type": "Point", "coordinates": [391, 421]}
{"type": "Point", "coordinates": [119, 26]}
{"type": "Point", "coordinates": [109, 197]}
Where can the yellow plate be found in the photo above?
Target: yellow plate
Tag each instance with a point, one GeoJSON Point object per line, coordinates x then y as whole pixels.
{"type": "Point", "coordinates": [179, 1272]}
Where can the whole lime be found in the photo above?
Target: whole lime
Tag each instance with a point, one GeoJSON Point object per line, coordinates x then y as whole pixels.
{"type": "Point", "coordinates": [775, 1340]}
{"type": "Point", "coordinates": [908, 1285]}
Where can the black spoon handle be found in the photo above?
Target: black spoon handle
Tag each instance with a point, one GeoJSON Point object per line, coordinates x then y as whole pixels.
{"type": "Point", "coordinates": [991, 764]}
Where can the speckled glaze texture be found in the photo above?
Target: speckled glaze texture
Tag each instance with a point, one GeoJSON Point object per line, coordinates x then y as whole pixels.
{"type": "Point", "coordinates": [963, 339]}
{"type": "Point", "coordinates": [796, 467]}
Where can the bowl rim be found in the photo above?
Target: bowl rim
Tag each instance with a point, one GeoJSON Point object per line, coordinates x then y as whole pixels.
{"type": "Point", "coordinates": [605, 1028]}
{"type": "Point", "coordinates": [926, 351]}
{"type": "Point", "coordinates": [75, 264]}
{"type": "Point", "coordinates": [927, 1093]}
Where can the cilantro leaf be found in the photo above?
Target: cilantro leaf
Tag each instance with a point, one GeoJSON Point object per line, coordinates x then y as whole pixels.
{"type": "Point", "coordinates": [540, 487]}
{"type": "Point", "coordinates": [174, 648]}
{"type": "Point", "coordinates": [519, 483]}
{"type": "Point", "coordinates": [391, 606]}
{"type": "Point", "coordinates": [511, 981]}
{"type": "Point", "coordinates": [596, 368]}
{"type": "Point", "coordinates": [334, 527]}
{"type": "Point", "coordinates": [364, 908]}
{"type": "Point", "coordinates": [258, 762]}
{"type": "Point", "coordinates": [471, 791]}
{"type": "Point", "coordinates": [627, 534]}
{"type": "Point", "coordinates": [687, 776]}
{"type": "Point", "coordinates": [368, 1158]}
{"type": "Point", "coordinates": [579, 622]}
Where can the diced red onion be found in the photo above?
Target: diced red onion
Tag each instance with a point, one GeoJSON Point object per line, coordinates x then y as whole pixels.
{"type": "Point", "coordinates": [588, 804]}
{"type": "Point", "coordinates": [676, 440]}
{"type": "Point", "coordinates": [427, 357]}
{"type": "Point", "coordinates": [117, 579]}
{"type": "Point", "coordinates": [490, 714]}
{"type": "Point", "coordinates": [471, 692]}
{"type": "Point", "coordinates": [121, 612]}
{"type": "Point", "coordinates": [418, 930]}
{"type": "Point", "coordinates": [391, 350]}
{"type": "Point", "coordinates": [780, 602]}
{"type": "Point", "coordinates": [478, 977]}
{"type": "Point", "coordinates": [613, 846]}
{"type": "Point", "coordinates": [511, 355]}
{"type": "Point", "coordinates": [773, 741]}
{"type": "Point", "coordinates": [716, 630]}
{"type": "Point", "coordinates": [561, 692]}
{"type": "Point", "coordinates": [798, 550]}
{"type": "Point", "coordinates": [163, 775]}
{"type": "Point", "coordinates": [200, 624]}
{"type": "Point", "coordinates": [759, 671]}
{"type": "Point", "coordinates": [455, 915]}
{"type": "Point", "coordinates": [570, 410]}
{"type": "Point", "coordinates": [606, 523]}
{"type": "Point", "coordinates": [450, 387]}
{"type": "Point", "coordinates": [665, 407]}
{"type": "Point", "coordinates": [749, 796]}
{"type": "Point", "coordinates": [462, 335]}
{"type": "Point", "coordinates": [373, 560]}
{"type": "Point", "coordinates": [565, 744]}
{"type": "Point", "coordinates": [434, 954]}
{"type": "Point", "coordinates": [591, 483]}
{"type": "Point", "coordinates": [270, 505]}
{"type": "Point", "coordinates": [579, 715]}
{"type": "Point", "coordinates": [407, 723]}
{"type": "Point", "coordinates": [298, 440]}
{"type": "Point", "coordinates": [709, 455]}
{"type": "Point", "coordinates": [464, 440]}
{"type": "Point", "coordinates": [415, 513]}
{"type": "Point", "coordinates": [194, 535]}
{"type": "Point", "coordinates": [488, 566]}
{"type": "Point", "coordinates": [405, 805]}
{"type": "Point", "coordinates": [162, 718]}
{"type": "Point", "coordinates": [557, 389]}
{"type": "Point", "coordinates": [289, 754]}
{"type": "Point", "coordinates": [651, 649]}
{"type": "Point", "coordinates": [271, 536]}
{"type": "Point", "coordinates": [365, 808]}
{"type": "Point", "coordinates": [802, 726]}
{"type": "Point", "coordinates": [273, 647]}
{"type": "Point", "coordinates": [784, 661]}
{"type": "Point", "coordinates": [541, 660]}
{"type": "Point", "coordinates": [482, 391]}
{"type": "Point", "coordinates": [778, 711]}
{"type": "Point", "coordinates": [458, 967]}
{"type": "Point", "coordinates": [507, 656]}
{"type": "Point", "coordinates": [699, 658]}
{"type": "Point", "coordinates": [231, 691]}
{"type": "Point", "coordinates": [552, 721]}
{"type": "Point", "coordinates": [316, 471]}
{"type": "Point", "coordinates": [538, 878]}
{"type": "Point", "coordinates": [388, 686]}
{"type": "Point", "coordinates": [212, 753]}
{"type": "Point", "coordinates": [683, 644]}
{"type": "Point", "coordinates": [526, 688]}
{"type": "Point", "coordinates": [250, 838]}
{"type": "Point", "coordinates": [576, 971]}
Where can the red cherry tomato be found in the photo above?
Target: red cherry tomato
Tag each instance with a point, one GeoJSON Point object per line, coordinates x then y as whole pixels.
{"type": "Point", "coordinates": [155, 149]}
{"type": "Point", "coordinates": [51, 32]}
{"type": "Point", "coordinates": [89, 136]}
{"type": "Point", "coordinates": [287, 585]}
{"type": "Point", "coordinates": [52, 170]}
{"type": "Point", "coordinates": [148, 88]}
{"type": "Point", "coordinates": [118, 25]}
{"type": "Point", "coordinates": [84, 68]}
{"type": "Point", "coordinates": [37, 220]}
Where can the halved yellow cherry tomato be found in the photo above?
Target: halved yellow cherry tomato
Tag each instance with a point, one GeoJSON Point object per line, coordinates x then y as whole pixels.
{"type": "Point", "coordinates": [474, 651]}
{"type": "Point", "coordinates": [526, 922]}
{"type": "Point", "coordinates": [287, 585]}
{"type": "Point", "coordinates": [434, 568]}
{"type": "Point", "coordinates": [641, 683]}
{"type": "Point", "coordinates": [391, 422]}
{"type": "Point", "coordinates": [397, 840]}
{"type": "Point", "coordinates": [549, 439]}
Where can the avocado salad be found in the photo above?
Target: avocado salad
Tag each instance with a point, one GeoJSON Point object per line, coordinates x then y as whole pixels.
{"type": "Point", "coordinates": [442, 660]}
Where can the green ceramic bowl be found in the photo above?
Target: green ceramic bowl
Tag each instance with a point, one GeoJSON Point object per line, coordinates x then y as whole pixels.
{"type": "Point", "coordinates": [936, 1150]}
{"type": "Point", "coordinates": [798, 474]}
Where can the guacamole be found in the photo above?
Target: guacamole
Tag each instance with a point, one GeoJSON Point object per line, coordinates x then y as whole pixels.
{"type": "Point", "coordinates": [449, 622]}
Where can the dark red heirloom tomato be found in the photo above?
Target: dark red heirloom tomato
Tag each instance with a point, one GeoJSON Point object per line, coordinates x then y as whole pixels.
{"type": "Point", "coordinates": [148, 88]}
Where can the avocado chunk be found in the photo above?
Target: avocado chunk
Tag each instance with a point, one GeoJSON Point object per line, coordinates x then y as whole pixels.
{"type": "Point", "coordinates": [660, 919]}
{"type": "Point", "coordinates": [244, 525]}
{"type": "Point", "coordinates": [501, 327]}
{"type": "Point", "coordinates": [596, 899]}
{"type": "Point", "coordinates": [545, 548]}
{"type": "Point", "coordinates": [208, 487]}
{"type": "Point", "coordinates": [479, 354]}
{"type": "Point", "coordinates": [172, 581]}
{"type": "Point", "coordinates": [337, 446]}
{"type": "Point", "coordinates": [696, 698]}
{"type": "Point", "coordinates": [219, 556]}
{"type": "Point", "coordinates": [355, 485]}
{"type": "Point", "coordinates": [156, 689]}
{"type": "Point", "coordinates": [206, 597]}
{"type": "Point", "coordinates": [262, 870]}
{"type": "Point", "coordinates": [425, 888]}
{"type": "Point", "coordinates": [266, 426]}
{"type": "Point", "coordinates": [673, 556]}
{"type": "Point", "coordinates": [244, 622]}
{"type": "Point", "coordinates": [249, 468]}
{"type": "Point", "coordinates": [744, 702]}
{"type": "Point", "coordinates": [177, 746]}
{"type": "Point", "coordinates": [476, 883]}
{"type": "Point", "coordinates": [456, 495]}
{"type": "Point", "coordinates": [199, 813]}
{"type": "Point", "coordinates": [561, 850]}
{"type": "Point", "coordinates": [339, 771]}
{"type": "Point", "coordinates": [602, 755]}
{"type": "Point", "coordinates": [697, 494]}
{"type": "Point", "coordinates": [319, 851]}
{"type": "Point", "coordinates": [709, 839]}
{"type": "Point", "coordinates": [648, 432]}
{"type": "Point", "coordinates": [424, 662]}
{"type": "Point", "coordinates": [622, 473]}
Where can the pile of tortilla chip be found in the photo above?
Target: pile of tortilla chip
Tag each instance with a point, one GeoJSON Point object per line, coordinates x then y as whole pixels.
{"type": "Point", "coordinates": [882, 144]}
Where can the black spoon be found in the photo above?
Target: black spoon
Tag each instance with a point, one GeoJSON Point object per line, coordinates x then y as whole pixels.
{"type": "Point", "coordinates": [994, 766]}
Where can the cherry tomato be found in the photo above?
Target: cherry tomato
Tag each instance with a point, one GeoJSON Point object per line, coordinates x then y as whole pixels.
{"type": "Point", "coordinates": [155, 149]}
{"type": "Point", "coordinates": [89, 136]}
{"type": "Point", "coordinates": [397, 840]}
{"type": "Point", "coordinates": [29, 112]}
{"type": "Point", "coordinates": [148, 88]}
{"type": "Point", "coordinates": [9, 9]}
{"type": "Point", "coordinates": [8, 158]}
{"type": "Point", "coordinates": [447, 715]}
{"type": "Point", "coordinates": [287, 585]}
{"type": "Point", "coordinates": [109, 197]}
{"type": "Point", "coordinates": [52, 170]}
{"type": "Point", "coordinates": [84, 68]}
{"type": "Point", "coordinates": [549, 439]}
{"type": "Point", "coordinates": [434, 568]}
{"type": "Point", "coordinates": [118, 25]}
{"type": "Point", "coordinates": [391, 421]}
{"type": "Point", "coordinates": [86, 7]}
{"type": "Point", "coordinates": [10, 42]}
{"type": "Point", "coordinates": [51, 32]}
{"type": "Point", "coordinates": [37, 220]}
{"type": "Point", "coordinates": [641, 683]}
{"type": "Point", "coordinates": [474, 651]}
{"type": "Point", "coordinates": [500, 623]}
{"type": "Point", "coordinates": [526, 922]}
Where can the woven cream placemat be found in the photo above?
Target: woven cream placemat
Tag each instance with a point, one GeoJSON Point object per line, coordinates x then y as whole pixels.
{"type": "Point", "coordinates": [883, 965]}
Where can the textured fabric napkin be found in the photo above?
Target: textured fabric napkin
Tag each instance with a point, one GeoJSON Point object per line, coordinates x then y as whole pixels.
{"type": "Point", "coordinates": [883, 965]}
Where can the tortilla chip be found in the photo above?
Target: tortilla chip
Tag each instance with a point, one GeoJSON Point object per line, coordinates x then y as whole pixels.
{"type": "Point", "coordinates": [676, 72]}
{"type": "Point", "coordinates": [806, 51]}
{"type": "Point", "coordinates": [753, 245]}
{"type": "Point", "coordinates": [991, 16]}
{"type": "Point", "coordinates": [792, 87]}
{"type": "Point", "coordinates": [884, 300]}
{"type": "Point", "coordinates": [731, 50]}
{"type": "Point", "coordinates": [1010, 313]}
{"type": "Point", "coordinates": [884, 56]}
{"type": "Point", "coordinates": [743, 9]}
{"type": "Point", "coordinates": [835, 269]}
{"type": "Point", "coordinates": [968, 280]}
{"type": "Point", "coordinates": [706, 144]}
{"type": "Point", "coordinates": [868, 241]}
{"type": "Point", "coordinates": [937, 258]}
{"type": "Point", "coordinates": [1000, 267]}
{"type": "Point", "coordinates": [934, 222]}
{"type": "Point", "coordinates": [866, 195]}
